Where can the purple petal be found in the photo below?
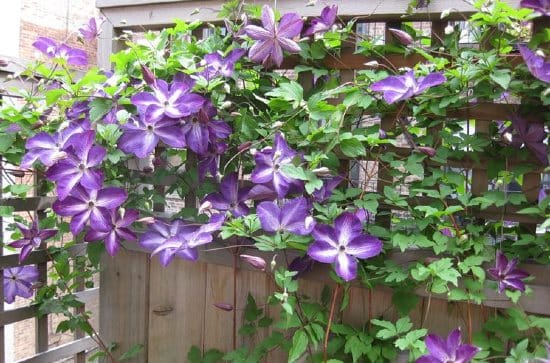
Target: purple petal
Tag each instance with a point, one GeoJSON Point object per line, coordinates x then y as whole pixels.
{"type": "Point", "coordinates": [346, 266]}
{"type": "Point", "coordinates": [347, 228]}
{"type": "Point", "coordinates": [261, 50]}
{"type": "Point", "coordinates": [257, 33]}
{"type": "Point", "coordinates": [268, 19]}
{"type": "Point", "coordinates": [437, 347]}
{"type": "Point", "coordinates": [69, 207]}
{"type": "Point", "coordinates": [78, 222]}
{"type": "Point", "coordinates": [290, 26]}
{"type": "Point", "coordinates": [322, 251]}
{"type": "Point", "coordinates": [465, 353]}
{"type": "Point", "coordinates": [111, 197]}
{"type": "Point", "coordinates": [269, 214]}
{"type": "Point", "coordinates": [364, 246]}
{"type": "Point", "coordinates": [293, 215]}
{"type": "Point", "coordinates": [431, 80]}
{"type": "Point", "coordinates": [112, 244]}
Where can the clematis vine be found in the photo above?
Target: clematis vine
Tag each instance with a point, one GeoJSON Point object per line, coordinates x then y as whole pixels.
{"type": "Point", "coordinates": [92, 29]}
{"type": "Point", "coordinates": [540, 6]}
{"type": "Point", "coordinates": [272, 38]}
{"type": "Point", "coordinates": [342, 244]}
{"type": "Point", "coordinates": [506, 273]}
{"type": "Point", "coordinates": [323, 23]}
{"type": "Point", "coordinates": [293, 216]}
{"type": "Point", "coordinates": [399, 88]}
{"type": "Point", "coordinates": [32, 238]}
{"type": "Point", "coordinates": [141, 136]}
{"type": "Point", "coordinates": [450, 350]}
{"type": "Point", "coordinates": [230, 198]}
{"type": "Point", "coordinates": [19, 281]}
{"type": "Point", "coordinates": [52, 49]}
{"type": "Point", "coordinates": [51, 148]}
{"type": "Point", "coordinates": [80, 166]}
{"type": "Point", "coordinates": [268, 166]}
{"type": "Point", "coordinates": [537, 64]}
{"type": "Point", "coordinates": [119, 230]}
{"type": "Point", "coordinates": [95, 206]}
{"type": "Point", "coordinates": [215, 65]}
{"type": "Point", "coordinates": [173, 101]}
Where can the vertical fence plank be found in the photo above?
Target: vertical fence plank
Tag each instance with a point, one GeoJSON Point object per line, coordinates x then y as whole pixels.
{"type": "Point", "coordinates": [177, 307]}
{"type": "Point", "coordinates": [257, 284]}
{"type": "Point", "coordinates": [2, 336]}
{"type": "Point", "coordinates": [124, 301]}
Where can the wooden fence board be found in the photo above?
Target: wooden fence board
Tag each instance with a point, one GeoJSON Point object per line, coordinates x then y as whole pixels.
{"type": "Point", "coordinates": [175, 291]}
{"type": "Point", "coordinates": [62, 351]}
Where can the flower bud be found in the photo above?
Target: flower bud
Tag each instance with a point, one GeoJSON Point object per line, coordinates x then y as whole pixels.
{"type": "Point", "coordinates": [285, 296]}
{"type": "Point", "coordinates": [224, 306]}
{"type": "Point", "coordinates": [123, 21]}
{"type": "Point", "coordinates": [277, 124]}
{"type": "Point", "coordinates": [273, 263]}
{"type": "Point", "coordinates": [309, 222]}
{"type": "Point", "coordinates": [226, 88]}
{"type": "Point", "coordinates": [206, 206]}
{"type": "Point", "coordinates": [244, 146]}
{"type": "Point", "coordinates": [430, 151]}
{"type": "Point", "coordinates": [372, 64]}
{"type": "Point", "coordinates": [449, 29]}
{"type": "Point", "coordinates": [146, 220]}
{"type": "Point", "coordinates": [226, 105]}
{"type": "Point", "coordinates": [195, 12]}
{"type": "Point", "coordinates": [254, 261]}
{"type": "Point", "coordinates": [382, 134]}
{"type": "Point", "coordinates": [148, 76]}
{"type": "Point", "coordinates": [322, 171]}
{"type": "Point", "coordinates": [446, 232]}
{"type": "Point", "coordinates": [253, 151]}
{"type": "Point", "coordinates": [402, 36]}
{"type": "Point", "coordinates": [3, 62]}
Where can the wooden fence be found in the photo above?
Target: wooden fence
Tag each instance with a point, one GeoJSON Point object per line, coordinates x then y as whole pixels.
{"type": "Point", "coordinates": [169, 309]}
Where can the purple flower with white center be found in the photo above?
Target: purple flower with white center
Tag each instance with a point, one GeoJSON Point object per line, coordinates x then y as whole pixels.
{"type": "Point", "coordinates": [200, 129]}
{"type": "Point", "coordinates": [91, 30]}
{"type": "Point", "coordinates": [292, 217]}
{"type": "Point", "coordinates": [79, 166]}
{"type": "Point", "coordinates": [216, 65]}
{"type": "Point", "coordinates": [51, 148]}
{"type": "Point", "coordinates": [402, 36]}
{"type": "Point", "coordinates": [119, 230]}
{"type": "Point", "coordinates": [90, 205]}
{"type": "Point", "coordinates": [19, 281]}
{"type": "Point", "coordinates": [208, 163]}
{"type": "Point", "coordinates": [274, 38]}
{"type": "Point", "coordinates": [343, 244]}
{"type": "Point", "coordinates": [268, 166]}
{"type": "Point", "coordinates": [450, 350]}
{"type": "Point", "coordinates": [51, 49]}
{"type": "Point", "coordinates": [325, 192]}
{"type": "Point", "coordinates": [398, 88]}
{"type": "Point", "coordinates": [174, 101]}
{"type": "Point", "coordinates": [141, 136]}
{"type": "Point", "coordinates": [230, 198]}
{"type": "Point", "coordinates": [323, 23]}
{"type": "Point", "coordinates": [541, 6]}
{"type": "Point", "coordinates": [537, 64]}
{"type": "Point", "coordinates": [532, 135]}
{"type": "Point", "coordinates": [506, 273]}
{"type": "Point", "coordinates": [32, 238]}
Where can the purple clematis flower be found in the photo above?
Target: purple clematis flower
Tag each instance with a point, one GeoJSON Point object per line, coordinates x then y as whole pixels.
{"type": "Point", "coordinates": [51, 49]}
{"type": "Point", "coordinates": [79, 166]}
{"type": "Point", "coordinates": [323, 23]}
{"type": "Point", "coordinates": [91, 30]}
{"type": "Point", "coordinates": [541, 6]}
{"type": "Point", "coordinates": [268, 166]}
{"type": "Point", "coordinates": [506, 273]}
{"type": "Point", "coordinates": [208, 163]}
{"type": "Point", "coordinates": [274, 38]}
{"type": "Point", "coordinates": [532, 135]}
{"type": "Point", "coordinates": [118, 231]}
{"type": "Point", "coordinates": [450, 350]}
{"type": "Point", "coordinates": [51, 148]}
{"type": "Point", "coordinates": [200, 130]}
{"type": "Point", "coordinates": [398, 88]}
{"type": "Point", "coordinates": [231, 198]}
{"type": "Point", "coordinates": [178, 238]}
{"type": "Point", "coordinates": [90, 205]}
{"type": "Point", "coordinates": [216, 65]}
{"type": "Point", "coordinates": [19, 281]}
{"type": "Point", "coordinates": [325, 192]}
{"type": "Point", "coordinates": [292, 217]}
{"type": "Point", "coordinates": [174, 101]}
{"type": "Point", "coordinates": [32, 238]}
{"type": "Point", "coordinates": [538, 66]}
{"type": "Point", "coordinates": [141, 136]}
{"type": "Point", "coordinates": [343, 244]}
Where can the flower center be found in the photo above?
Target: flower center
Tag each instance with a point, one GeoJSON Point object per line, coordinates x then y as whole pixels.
{"type": "Point", "coordinates": [150, 128]}
{"type": "Point", "coordinates": [342, 248]}
{"type": "Point", "coordinates": [81, 167]}
{"type": "Point", "coordinates": [91, 204]}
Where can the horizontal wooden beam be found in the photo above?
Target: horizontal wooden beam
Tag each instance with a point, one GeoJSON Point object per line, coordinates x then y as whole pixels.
{"type": "Point", "coordinates": [63, 351]}
{"type": "Point", "coordinates": [28, 312]}
{"type": "Point", "coordinates": [28, 204]}
{"type": "Point", "coordinates": [154, 14]}
{"type": "Point", "coordinates": [39, 256]}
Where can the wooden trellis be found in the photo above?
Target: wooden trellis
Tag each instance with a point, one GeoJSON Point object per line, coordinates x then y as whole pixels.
{"type": "Point", "coordinates": [169, 309]}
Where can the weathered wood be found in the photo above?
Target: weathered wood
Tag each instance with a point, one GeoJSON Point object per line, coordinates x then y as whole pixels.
{"type": "Point", "coordinates": [124, 301]}
{"type": "Point", "coordinates": [176, 310]}
{"type": "Point", "coordinates": [156, 14]}
{"type": "Point", "coordinates": [28, 204]}
{"type": "Point", "coordinates": [62, 351]}
{"type": "Point", "coordinates": [39, 256]}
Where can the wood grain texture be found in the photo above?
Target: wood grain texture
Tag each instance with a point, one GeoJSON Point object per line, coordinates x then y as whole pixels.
{"type": "Point", "coordinates": [124, 301]}
{"type": "Point", "coordinates": [176, 309]}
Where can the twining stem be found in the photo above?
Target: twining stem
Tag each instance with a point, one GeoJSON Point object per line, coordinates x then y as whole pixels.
{"type": "Point", "coordinates": [329, 323]}
{"type": "Point", "coordinates": [469, 308]}
{"type": "Point", "coordinates": [427, 310]}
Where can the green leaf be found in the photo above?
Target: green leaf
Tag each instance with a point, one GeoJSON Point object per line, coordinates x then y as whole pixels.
{"type": "Point", "coordinates": [502, 77]}
{"type": "Point", "coordinates": [291, 91]}
{"type": "Point", "coordinates": [6, 211]}
{"type": "Point", "coordinates": [299, 345]}
{"type": "Point", "coordinates": [132, 352]}
{"type": "Point", "coordinates": [99, 108]}
{"type": "Point", "coordinates": [6, 141]}
{"type": "Point", "coordinates": [352, 148]}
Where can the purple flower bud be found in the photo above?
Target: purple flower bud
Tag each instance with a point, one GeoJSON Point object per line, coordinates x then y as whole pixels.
{"type": "Point", "coordinates": [244, 146]}
{"type": "Point", "coordinates": [254, 261]}
{"type": "Point", "coordinates": [148, 76]}
{"type": "Point", "coordinates": [402, 36]}
{"type": "Point", "coordinates": [430, 151]}
{"type": "Point", "coordinates": [3, 62]}
{"type": "Point", "coordinates": [382, 134]}
{"type": "Point", "coordinates": [224, 306]}
{"type": "Point", "coordinates": [446, 232]}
